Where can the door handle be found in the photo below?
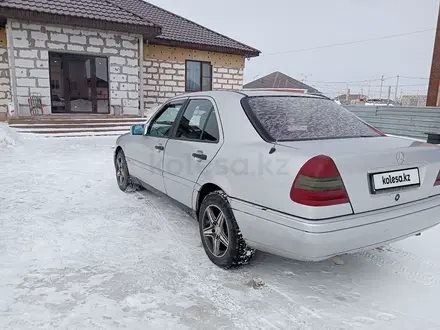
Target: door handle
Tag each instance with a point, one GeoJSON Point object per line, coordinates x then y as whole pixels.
{"type": "Point", "coordinates": [159, 148]}
{"type": "Point", "coordinates": [199, 156]}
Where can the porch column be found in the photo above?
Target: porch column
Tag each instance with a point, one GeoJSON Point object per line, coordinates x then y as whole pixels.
{"type": "Point", "coordinates": [141, 75]}
{"type": "Point", "coordinates": [11, 62]}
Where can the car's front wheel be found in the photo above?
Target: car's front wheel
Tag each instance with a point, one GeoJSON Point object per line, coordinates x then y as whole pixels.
{"type": "Point", "coordinates": [122, 175]}
{"type": "Point", "coordinates": [221, 237]}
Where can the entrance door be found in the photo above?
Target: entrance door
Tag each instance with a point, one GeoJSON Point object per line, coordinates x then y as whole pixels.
{"type": "Point", "coordinates": [79, 83]}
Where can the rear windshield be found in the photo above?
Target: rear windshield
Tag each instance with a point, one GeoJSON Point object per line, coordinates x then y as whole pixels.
{"type": "Point", "coordinates": [287, 118]}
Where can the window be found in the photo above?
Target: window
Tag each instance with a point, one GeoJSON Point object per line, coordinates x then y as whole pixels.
{"type": "Point", "coordinates": [198, 76]}
{"type": "Point", "coordinates": [287, 118]}
{"type": "Point", "coordinates": [163, 124]}
{"type": "Point", "coordinates": [198, 122]}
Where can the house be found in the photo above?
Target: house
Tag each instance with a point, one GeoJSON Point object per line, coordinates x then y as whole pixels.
{"type": "Point", "coordinates": [280, 81]}
{"type": "Point", "coordinates": [352, 99]}
{"type": "Point", "coordinates": [108, 56]}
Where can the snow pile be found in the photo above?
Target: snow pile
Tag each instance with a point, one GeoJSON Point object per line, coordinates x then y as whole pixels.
{"type": "Point", "coordinates": [8, 137]}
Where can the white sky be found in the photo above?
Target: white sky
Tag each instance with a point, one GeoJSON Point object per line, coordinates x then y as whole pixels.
{"type": "Point", "coordinates": [283, 25]}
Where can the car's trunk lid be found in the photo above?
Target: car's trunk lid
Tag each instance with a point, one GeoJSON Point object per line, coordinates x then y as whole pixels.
{"type": "Point", "coordinates": [380, 172]}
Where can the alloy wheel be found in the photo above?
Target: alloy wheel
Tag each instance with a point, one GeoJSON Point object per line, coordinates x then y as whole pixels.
{"type": "Point", "coordinates": [120, 170]}
{"type": "Point", "coordinates": [215, 231]}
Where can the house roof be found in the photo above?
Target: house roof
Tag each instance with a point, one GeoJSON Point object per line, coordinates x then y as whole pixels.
{"type": "Point", "coordinates": [101, 14]}
{"type": "Point", "coordinates": [178, 31]}
{"type": "Point", "coordinates": [279, 80]}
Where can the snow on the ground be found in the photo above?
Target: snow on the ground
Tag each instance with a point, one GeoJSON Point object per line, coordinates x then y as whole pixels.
{"type": "Point", "coordinates": [77, 253]}
{"type": "Point", "coordinates": [8, 136]}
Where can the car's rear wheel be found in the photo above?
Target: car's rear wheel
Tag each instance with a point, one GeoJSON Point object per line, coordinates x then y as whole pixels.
{"type": "Point", "coordinates": [122, 176]}
{"type": "Point", "coordinates": [221, 237]}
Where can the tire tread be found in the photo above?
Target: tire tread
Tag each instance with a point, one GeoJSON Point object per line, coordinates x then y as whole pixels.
{"type": "Point", "coordinates": [243, 254]}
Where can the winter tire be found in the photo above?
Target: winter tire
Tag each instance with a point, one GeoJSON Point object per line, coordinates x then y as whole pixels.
{"type": "Point", "coordinates": [221, 237]}
{"type": "Point", "coordinates": [122, 176]}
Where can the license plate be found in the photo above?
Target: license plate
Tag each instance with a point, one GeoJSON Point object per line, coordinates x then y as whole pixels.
{"type": "Point", "coordinates": [395, 179]}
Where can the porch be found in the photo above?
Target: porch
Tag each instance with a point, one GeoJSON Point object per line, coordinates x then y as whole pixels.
{"type": "Point", "coordinates": [67, 125]}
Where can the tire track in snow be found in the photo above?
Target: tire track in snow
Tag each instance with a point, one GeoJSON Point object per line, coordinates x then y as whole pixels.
{"type": "Point", "coordinates": [389, 264]}
{"type": "Point", "coordinates": [221, 297]}
{"type": "Point", "coordinates": [407, 255]}
{"type": "Point", "coordinates": [313, 320]}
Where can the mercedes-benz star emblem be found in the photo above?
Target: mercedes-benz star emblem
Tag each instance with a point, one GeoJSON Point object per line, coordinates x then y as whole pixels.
{"type": "Point", "coordinates": [400, 157]}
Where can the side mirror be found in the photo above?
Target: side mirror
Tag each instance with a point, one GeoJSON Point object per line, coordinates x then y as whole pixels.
{"type": "Point", "coordinates": [137, 129]}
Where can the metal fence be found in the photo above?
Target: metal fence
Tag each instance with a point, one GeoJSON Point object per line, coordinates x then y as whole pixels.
{"type": "Point", "coordinates": [406, 121]}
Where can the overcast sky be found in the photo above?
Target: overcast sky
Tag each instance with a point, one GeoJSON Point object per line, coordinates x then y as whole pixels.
{"type": "Point", "coordinates": [285, 25]}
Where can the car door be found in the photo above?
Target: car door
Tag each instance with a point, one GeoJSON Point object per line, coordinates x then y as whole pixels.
{"type": "Point", "coordinates": [149, 150]}
{"type": "Point", "coordinates": [195, 142]}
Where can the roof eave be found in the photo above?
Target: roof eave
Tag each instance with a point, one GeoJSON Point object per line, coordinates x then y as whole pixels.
{"type": "Point", "coordinates": [148, 31]}
{"type": "Point", "coordinates": [251, 52]}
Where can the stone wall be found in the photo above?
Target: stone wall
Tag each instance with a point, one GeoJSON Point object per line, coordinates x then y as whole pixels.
{"type": "Point", "coordinates": [164, 79]}
{"type": "Point", "coordinates": [33, 42]}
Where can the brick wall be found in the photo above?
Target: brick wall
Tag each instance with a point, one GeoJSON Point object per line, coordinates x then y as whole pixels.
{"type": "Point", "coordinates": [165, 78]}
{"type": "Point", "coordinates": [5, 87]}
{"type": "Point", "coordinates": [227, 78]}
{"type": "Point", "coordinates": [162, 80]}
{"type": "Point", "coordinates": [32, 43]}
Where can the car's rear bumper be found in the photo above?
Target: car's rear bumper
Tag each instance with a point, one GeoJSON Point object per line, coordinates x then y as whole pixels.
{"type": "Point", "coordinates": [315, 240]}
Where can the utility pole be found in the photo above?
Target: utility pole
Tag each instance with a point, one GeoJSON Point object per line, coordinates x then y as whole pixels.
{"type": "Point", "coordinates": [381, 85]}
{"type": "Point", "coordinates": [434, 77]}
{"type": "Point", "coordinates": [389, 95]}
{"type": "Point", "coordinates": [397, 87]}
{"type": "Point", "coordinates": [369, 87]}
{"type": "Point", "coordinates": [346, 94]}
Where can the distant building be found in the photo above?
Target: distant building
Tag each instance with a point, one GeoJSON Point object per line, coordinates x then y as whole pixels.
{"type": "Point", "coordinates": [414, 100]}
{"type": "Point", "coordinates": [352, 99]}
{"type": "Point", "coordinates": [379, 102]}
{"type": "Point", "coordinates": [280, 82]}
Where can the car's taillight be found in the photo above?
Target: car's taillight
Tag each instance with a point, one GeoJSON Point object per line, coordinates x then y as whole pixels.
{"type": "Point", "coordinates": [319, 183]}
{"type": "Point", "coordinates": [437, 180]}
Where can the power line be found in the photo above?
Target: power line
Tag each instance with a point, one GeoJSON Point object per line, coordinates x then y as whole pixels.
{"type": "Point", "coordinates": [414, 78]}
{"type": "Point", "coordinates": [375, 85]}
{"type": "Point", "coordinates": [351, 82]}
{"type": "Point", "coordinates": [349, 42]}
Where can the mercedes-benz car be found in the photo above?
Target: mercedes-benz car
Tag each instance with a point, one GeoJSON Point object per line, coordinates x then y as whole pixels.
{"type": "Point", "coordinates": [295, 175]}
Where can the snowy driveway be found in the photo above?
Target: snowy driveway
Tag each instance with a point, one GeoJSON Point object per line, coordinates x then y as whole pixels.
{"type": "Point", "coordinates": [77, 253]}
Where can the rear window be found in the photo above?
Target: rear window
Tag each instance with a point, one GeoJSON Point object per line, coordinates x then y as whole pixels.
{"type": "Point", "coordinates": [287, 118]}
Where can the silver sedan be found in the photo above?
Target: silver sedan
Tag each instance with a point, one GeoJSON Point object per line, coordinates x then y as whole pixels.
{"type": "Point", "coordinates": [290, 174]}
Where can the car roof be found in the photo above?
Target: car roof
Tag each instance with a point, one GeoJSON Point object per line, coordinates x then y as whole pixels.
{"type": "Point", "coordinates": [251, 93]}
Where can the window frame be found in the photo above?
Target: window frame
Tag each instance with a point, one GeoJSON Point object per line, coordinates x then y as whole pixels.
{"type": "Point", "coordinates": [201, 75]}
{"type": "Point", "coordinates": [160, 111]}
{"type": "Point", "coordinates": [217, 117]}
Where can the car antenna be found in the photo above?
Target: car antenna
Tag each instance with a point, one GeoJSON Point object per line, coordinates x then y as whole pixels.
{"type": "Point", "coordinates": [273, 149]}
